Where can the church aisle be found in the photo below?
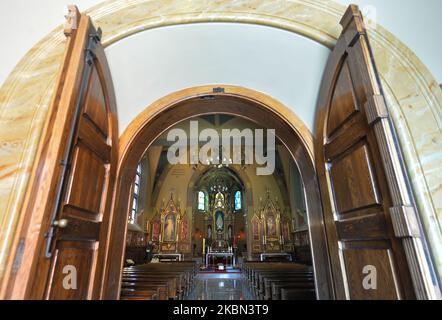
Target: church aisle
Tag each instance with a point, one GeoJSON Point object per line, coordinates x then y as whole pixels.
{"type": "Point", "coordinates": [220, 287]}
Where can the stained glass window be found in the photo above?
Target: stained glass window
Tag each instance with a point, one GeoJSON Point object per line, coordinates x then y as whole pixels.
{"type": "Point", "coordinates": [238, 204]}
{"type": "Point", "coordinates": [201, 201]}
{"type": "Point", "coordinates": [135, 196]}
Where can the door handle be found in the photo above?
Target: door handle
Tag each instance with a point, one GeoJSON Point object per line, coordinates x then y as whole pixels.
{"type": "Point", "coordinates": [62, 223]}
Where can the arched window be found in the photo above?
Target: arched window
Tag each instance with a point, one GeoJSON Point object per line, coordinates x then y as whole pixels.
{"type": "Point", "coordinates": [238, 201]}
{"type": "Point", "coordinates": [201, 201]}
{"type": "Point", "coordinates": [135, 196]}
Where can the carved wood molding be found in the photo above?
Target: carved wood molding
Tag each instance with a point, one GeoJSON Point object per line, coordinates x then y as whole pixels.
{"type": "Point", "coordinates": [72, 20]}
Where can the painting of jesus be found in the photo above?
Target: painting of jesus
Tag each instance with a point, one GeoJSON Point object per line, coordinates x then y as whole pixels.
{"type": "Point", "coordinates": [169, 228]}
{"type": "Point", "coordinates": [271, 226]}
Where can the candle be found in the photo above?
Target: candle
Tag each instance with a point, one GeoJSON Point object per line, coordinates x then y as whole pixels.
{"type": "Point", "coordinates": [204, 246]}
{"type": "Point", "coordinates": [160, 238]}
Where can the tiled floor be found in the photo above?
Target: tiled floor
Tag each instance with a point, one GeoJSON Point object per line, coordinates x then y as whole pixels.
{"type": "Point", "coordinates": [220, 287]}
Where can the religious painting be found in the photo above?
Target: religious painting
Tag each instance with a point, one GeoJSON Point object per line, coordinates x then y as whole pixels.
{"type": "Point", "coordinates": [255, 229]}
{"type": "Point", "coordinates": [230, 232]}
{"type": "Point", "coordinates": [302, 218]}
{"type": "Point", "coordinates": [209, 231]}
{"type": "Point", "coordinates": [271, 225]}
{"type": "Point", "coordinates": [219, 221]}
{"type": "Point", "coordinates": [169, 234]}
{"type": "Point", "coordinates": [286, 231]}
{"type": "Point", "coordinates": [184, 229]}
{"type": "Point", "coordinates": [155, 231]}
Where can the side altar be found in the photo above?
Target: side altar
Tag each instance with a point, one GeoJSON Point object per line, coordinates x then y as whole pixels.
{"type": "Point", "coordinates": [170, 231]}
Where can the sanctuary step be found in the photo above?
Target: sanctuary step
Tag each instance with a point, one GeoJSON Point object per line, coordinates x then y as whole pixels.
{"type": "Point", "coordinates": [280, 280]}
{"type": "Point", "coordinates": [158, 281]}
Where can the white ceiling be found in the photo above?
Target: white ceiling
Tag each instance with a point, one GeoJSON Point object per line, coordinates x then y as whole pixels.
{"type": "Point", "coordinates": [152, 64]}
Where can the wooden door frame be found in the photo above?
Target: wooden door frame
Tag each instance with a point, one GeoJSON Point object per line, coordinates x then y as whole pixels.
{"type": "Point", "coordinates": [237, 101]}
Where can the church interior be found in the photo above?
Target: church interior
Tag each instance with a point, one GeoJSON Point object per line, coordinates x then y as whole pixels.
{"type": "Point", "coordinates": [221, 150]}
{"type": "Point", "coordinates": [217, 215]}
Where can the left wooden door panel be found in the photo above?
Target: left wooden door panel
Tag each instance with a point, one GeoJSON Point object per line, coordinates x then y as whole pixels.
{"type": "Point", "coordinates": [68, 209]}
{"type": "Point", "coordinates": [79, 248]}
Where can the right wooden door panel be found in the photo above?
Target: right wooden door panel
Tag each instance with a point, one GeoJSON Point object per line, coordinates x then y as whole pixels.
{"type": "Point", "coordinates": [368, 261]}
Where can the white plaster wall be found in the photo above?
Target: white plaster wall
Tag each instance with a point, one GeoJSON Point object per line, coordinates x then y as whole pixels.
{"type": "Point", "coordinates": [152, 64]}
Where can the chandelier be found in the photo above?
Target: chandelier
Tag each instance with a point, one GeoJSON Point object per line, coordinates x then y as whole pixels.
{"type": "Point", "coordinates": [219, 188]}
{"type": "Point", "coordinates": [219, 162]}
{"type": "Point", "coordinates": [219, 185]}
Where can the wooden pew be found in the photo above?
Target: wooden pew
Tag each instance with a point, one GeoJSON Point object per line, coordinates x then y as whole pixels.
{"type": "Point", "coordinates": [302, 285]}
{"type": "Point", "coordinates": [132, 294]}
{"type": "Point", "coordinates": [268, 279]}
{"type": "Point", "coordinates": [298, 294]}
{"type": "Point", "coordinates": [171, 280]}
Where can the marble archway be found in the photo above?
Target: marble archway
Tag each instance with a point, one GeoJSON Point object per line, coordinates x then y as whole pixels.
{"type": "Point", "coordinates": [414, 98]}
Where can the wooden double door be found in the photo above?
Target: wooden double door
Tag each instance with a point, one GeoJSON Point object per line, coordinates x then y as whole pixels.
{"type": "Point", "coordinates": [367, 257]}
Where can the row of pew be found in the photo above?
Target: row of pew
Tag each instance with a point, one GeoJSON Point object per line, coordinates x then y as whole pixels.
{"type": "Point", "coordinates": [280, 280]}
{"type": "Point", "coordinates": [158, 281]}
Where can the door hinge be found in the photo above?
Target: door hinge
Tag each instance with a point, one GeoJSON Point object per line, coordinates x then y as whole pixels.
{"type": "Point", "coordinates": [18, 256]}
{"type": "Point", "coordinates": [94, 39]}
{"type": "Point", "coordinates": [405, 222]}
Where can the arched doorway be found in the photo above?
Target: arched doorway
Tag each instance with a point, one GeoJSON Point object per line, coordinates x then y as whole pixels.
{"type": "Point", "coordinates": [235, 101]}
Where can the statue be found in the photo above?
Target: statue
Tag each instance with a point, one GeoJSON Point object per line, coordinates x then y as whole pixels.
{"type": "Point", "coordinates": [219, 221]}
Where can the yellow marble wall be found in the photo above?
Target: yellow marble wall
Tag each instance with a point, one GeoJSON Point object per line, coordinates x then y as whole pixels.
{"type": "Point", "coordinates": [414, 97]}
